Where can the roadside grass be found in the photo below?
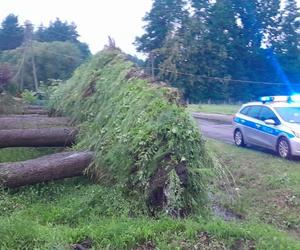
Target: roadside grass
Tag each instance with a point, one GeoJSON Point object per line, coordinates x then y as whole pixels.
{"type": "Point", "coordinates": [58, 215]}
{"type": "Point", "coordinates": [21, 154]}
{"type": "Point", "coordinates": [262, 187]}
{"type": "Point", "coordinates": [225, 109]}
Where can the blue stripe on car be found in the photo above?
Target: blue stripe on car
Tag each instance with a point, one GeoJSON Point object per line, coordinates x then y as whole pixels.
{"type": "Point", "coordinates": [262, 128]}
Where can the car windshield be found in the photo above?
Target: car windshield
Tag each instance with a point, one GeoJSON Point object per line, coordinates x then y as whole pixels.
{"type": "Point", "coordinates": [289, 114]}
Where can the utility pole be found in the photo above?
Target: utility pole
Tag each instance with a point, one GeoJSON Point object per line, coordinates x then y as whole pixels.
{"type": "Point", "coordinates": [152, 65]}
{"type": "Point", "coordinates": [28, 44]}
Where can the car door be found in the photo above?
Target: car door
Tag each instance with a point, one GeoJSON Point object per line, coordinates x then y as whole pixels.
{"type": "Point", "coordinates": [252, 125]}
{"type": "Point", "coordinates": [267, 134]}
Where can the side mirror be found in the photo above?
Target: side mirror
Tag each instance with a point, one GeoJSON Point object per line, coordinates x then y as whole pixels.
{"type": "Point", "coordinates": [270, 122]}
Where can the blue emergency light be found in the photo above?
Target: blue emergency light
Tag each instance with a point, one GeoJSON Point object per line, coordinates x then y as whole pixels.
{"type": "Point", "coordinates": [266, 99]}
{"type": "Point", "coordinates": [294, 98]}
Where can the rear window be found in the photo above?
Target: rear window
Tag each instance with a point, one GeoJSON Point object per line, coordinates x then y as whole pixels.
{"type": "Point", "coordinates": [245, 110]}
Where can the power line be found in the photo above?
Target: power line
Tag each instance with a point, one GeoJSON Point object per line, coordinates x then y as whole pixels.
{"type": "Point", "coordinates": [223, 79]}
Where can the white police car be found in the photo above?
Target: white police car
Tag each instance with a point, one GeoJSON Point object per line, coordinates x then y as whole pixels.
{"type": "Point", "coordinates": [272, 123]}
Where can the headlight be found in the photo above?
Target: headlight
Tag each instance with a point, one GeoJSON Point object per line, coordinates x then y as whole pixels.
{"type": "Point", "coordinates": [297, 134]}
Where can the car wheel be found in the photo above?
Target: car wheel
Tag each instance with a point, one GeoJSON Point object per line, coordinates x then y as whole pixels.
{"type": "Point", "coordinates": [238, 138]}
{"type": "Point", "coordinates": [283, 148]}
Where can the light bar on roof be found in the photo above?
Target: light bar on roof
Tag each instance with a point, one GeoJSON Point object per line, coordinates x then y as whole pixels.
{"type": "Point", "coordinates": [275, 98]}
{"type": "Point", "coordinates": [266, 98]}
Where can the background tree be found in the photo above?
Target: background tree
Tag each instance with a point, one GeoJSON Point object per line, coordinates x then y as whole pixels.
{"type": "Point", "coordinates": [53, 60]}
{"type": "Point", "coordinates": [163, 20]}
{"type": "Point", "coordinates": [223, 49]}
{"type": "Point", "coordinates": [11, 33]}
{"type": "Point", "coordinates": [5, 75]}
{"type": "Point", "coordinates": [287, 46]}
{"type": "Point", "coordinates": [61, 31]}
{"type": "Point", "coordinates": [57, 31]}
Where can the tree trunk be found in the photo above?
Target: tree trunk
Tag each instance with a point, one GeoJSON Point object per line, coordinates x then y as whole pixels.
{"type": "Point", "coordinates": [32, 122]}
{"type": "Point", "coordinates": [35, 111]}
{"type": "Point", "coordinates": [47, 168]}
{"type": "Point", "coordinates": [45, 137]}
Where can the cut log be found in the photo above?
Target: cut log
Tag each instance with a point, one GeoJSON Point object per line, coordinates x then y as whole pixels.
{"type": "Point", "coordinates": [32, 122]}
{"type": "Point", "coordinates": [45, 137]}
{"type": "Point", "coordinates": [24, 116]}
{"type": "Point", "coordinates": [47, 168]}
{"type": "Point", "coordinates": [35, 111]}
{"type": "Point", "coordinates": [33, 107]}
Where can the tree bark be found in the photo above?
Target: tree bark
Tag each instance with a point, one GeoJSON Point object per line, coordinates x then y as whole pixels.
{"type": "Point", "coordinates": [45, 137]}
{"type": "Point", "coordinates": [32, 122]}
{"type": "Point", "coordinates": [47, 168]}
{"type": "Point", "coordinates": [35, 111]}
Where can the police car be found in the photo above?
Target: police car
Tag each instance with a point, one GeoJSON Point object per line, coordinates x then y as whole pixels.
{"type": "Point", "coordinates": [273, 123]}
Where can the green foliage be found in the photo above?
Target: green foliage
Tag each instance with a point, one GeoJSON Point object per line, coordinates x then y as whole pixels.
{"type": "Point", "coordinates": [11, 33]}
{"type": "Point", "coordinates": [224, 49]}
{"type": "Point", "coordinates": [63, 32]}
{"type": "Point", "coordinates": [29, 96]}
{"type": "Point", "coordinates": [54, 60]}
{"type": "Point", "coordinates": [137, 130]}
{"type": "Point", "coordinates": [163, 18]}
{"type": "Point", "coordinates": [57, 31]}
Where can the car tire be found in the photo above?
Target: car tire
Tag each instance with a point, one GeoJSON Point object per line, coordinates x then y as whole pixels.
{"type": "Point", "coordinates": [284, 148]}
{"type": "Point", "coordinates": [238, 138]}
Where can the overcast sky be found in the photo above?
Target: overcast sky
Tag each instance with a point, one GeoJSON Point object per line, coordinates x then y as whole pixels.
{"type": "Point", "coordinates": [95, 19]}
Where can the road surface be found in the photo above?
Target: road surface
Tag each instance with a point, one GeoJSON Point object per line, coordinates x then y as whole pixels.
{"type": "Point", "coordinates": [216, 130]}
{"type": "Point", "coordinates": [223, 132]}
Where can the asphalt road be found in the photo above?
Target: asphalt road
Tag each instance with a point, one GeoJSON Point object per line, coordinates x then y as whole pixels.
{"type": "Point", "coordinates": [216, 130]}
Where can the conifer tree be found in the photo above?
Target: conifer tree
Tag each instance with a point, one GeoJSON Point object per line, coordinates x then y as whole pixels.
{"type": "Point", "coordinates": [11, 33]}
{"type": "Point", "coordinates": [163, 19]}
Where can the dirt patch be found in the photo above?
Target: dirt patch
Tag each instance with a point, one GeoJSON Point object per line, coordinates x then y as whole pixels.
{"type": "Point", "coordinates": [146, 246]}
{"type": "Point", "coordinates": [206, 241]}
{"type": "Point", "coordinates": [226, 214]}
{"type": "Point", "coordinates": [84, 245]}
{"type": "Point", "coordinates": [243, 244]}
{"type": "Point", "coordinates": [284, 200]}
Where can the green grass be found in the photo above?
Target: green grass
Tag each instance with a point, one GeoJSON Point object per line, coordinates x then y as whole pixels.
{"type": "Point", "coordinates": [225, 109]}
{"type": "Point", "coordinates": [262, 187]}
{"type": "Point", "coordinates": [21, 154]}
{"type": "Point", "coordinates": [56, 215]}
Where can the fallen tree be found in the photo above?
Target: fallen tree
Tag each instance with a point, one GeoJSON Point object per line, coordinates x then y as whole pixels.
{"type": "Point", "coordinates": [32, 122]}
{"type": "Point", "coordinates": [142, 137]}
{"type": "Point", "coordinates": [47, 168]}
{"type": "Point", "coordinates": [45, 137]}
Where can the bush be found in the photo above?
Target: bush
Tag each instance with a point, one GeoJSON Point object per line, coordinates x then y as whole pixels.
{"type": "Point", "coordinates": [29, 96]}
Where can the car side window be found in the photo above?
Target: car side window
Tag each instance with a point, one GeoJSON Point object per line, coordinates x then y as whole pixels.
{"type": "Point", "coordinates": [245, 110]}
{"type": "Point", "coordinates": [266, 114]}
{"type": "Point", "coordinates": [254, 111]}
